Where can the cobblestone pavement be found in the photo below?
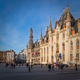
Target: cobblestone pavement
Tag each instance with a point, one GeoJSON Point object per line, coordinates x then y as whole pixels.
{"type": "Point", "coordinates": [38, 73]}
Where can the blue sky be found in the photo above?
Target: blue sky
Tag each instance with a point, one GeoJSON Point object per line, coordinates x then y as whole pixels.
{"type": "Point", "coordinates": [18, 16]}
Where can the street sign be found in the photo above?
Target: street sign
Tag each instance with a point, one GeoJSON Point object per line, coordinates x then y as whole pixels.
{"type": "Point", "coordinates": [60, 55]}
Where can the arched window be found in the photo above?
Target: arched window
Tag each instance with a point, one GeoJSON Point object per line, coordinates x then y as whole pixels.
{"type": "Point", "coordinates": [57, 48]}
{"type": "Point", "coordinates": [44, 54]}
{"type": "Point", "coordinates": [77, 49]}
{"type": "Point", "coordinates": [71, 50]}
{"type": "Point", "coordinates": [52, 49]}
{"type": "Point", "coordinates": [57, 37]}
{"type": "Point", "coordinates": [47, 54]}
{"type": "Point", "coordinates": [63, 35]}
{"type": "Point", "coordinates": [63, 46]}
{"type": "Point", "coordinates": [71, 45]}
{"type": "Point", "coordinates": [77, 44]}
{"type": "Point", "coordinates": [41, 52]}
{"type": "Point", "coordinates": [63, 49]}
{"type": "Point", "coordinates": [52, 40]}
{"type": "Point", "coordinates": [52, 54]}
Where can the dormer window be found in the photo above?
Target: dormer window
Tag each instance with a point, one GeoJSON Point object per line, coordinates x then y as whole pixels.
{"type": "Point", "coordinates": [53, 31]}
{"type": "Point", "coordinates": [72, 32]}
{"type": "Point", "coordinates": [64, 16]}
{"type": "Point", "coordinates": [60, 23]}
{"type": "Point", "coordinates": [63, 26]}
{"type": "Point", "coordinates": [77, 25]}
{"type": "Point", "coordinates": [61, 18]}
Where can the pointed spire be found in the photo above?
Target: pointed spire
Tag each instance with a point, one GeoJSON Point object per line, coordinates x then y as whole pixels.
{"type": "Point", "coordinates": [41, 34]}
{"type": "Point", "coordinates": [67, 9]}
{"type": "Point", "coordinates": [50, 25]}
{"type": "Point", "coordinates": [31, 33]}
{"type": "Point", "coordinates": [31, 39]}
{"type": "Point", "coordinates": [68, 15]}
{"type": "Point", "coordinates": [68, 5]}
{"type": "Point", "coordinates": [47, 28]}
{"type": "Point", "coordinates": [31, 28]}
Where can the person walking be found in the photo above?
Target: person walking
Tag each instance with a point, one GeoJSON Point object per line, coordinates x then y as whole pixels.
{"type": "Point", "coordinates": [62, 68]}
{"type": "Point", "coordinates": [14, 65]}
{"type": "Point", "coordinates": [31, 65]}
{"type": "Point", "coordinates": [76, 67]}
{"type": "Point", "coordinates": [27, 64]}
{"type": "Point", "coordinates": [49, 66]}
{"type": "Point", "coordinates": [11, 65]}
{"type": "Point", "coordinates": [6, 64]}
{"type": "Point", "coordinates": [53, 66]}
{"type": "Point", "coordinates": [29, 68]}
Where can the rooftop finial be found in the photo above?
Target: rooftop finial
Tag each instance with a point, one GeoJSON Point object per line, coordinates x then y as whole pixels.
{"type": "Point", "coordinates": [41, 34]}
{"type": "Point", "coordinates": [50, 25]}
{"type": "Point", "coordinates": [68, 5]}
{"type": "Point", "coordinates": [50, 17]}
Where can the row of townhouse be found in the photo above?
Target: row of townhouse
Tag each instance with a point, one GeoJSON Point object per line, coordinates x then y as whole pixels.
{"type": "Point", "coordinates": [7, 56]}
{"type": "Point", "coordinates": [21, 57]}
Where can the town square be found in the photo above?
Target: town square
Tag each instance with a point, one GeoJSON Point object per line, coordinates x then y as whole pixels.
{"type": "Point", "coordinates": [39, 40]}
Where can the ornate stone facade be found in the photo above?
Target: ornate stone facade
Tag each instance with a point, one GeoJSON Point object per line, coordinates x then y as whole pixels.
{"type": "Point", "coordinates": [33, 50]}
{"type": "Point", "coordinates": [64, 39]}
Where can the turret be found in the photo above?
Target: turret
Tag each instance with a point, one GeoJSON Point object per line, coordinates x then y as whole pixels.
{"type": "Point", "coordinates": [68, 21]}
{"type": "Point", "coordinates": [50, 25]}
{"type": "Point", "coordinates": [78, 25]}
{"type": "Point", "coordinates": [68, 14]}
{"type": "Point", "coordinates": [31, 39]}
{"type": "Point", "coordinates": [41, 35]}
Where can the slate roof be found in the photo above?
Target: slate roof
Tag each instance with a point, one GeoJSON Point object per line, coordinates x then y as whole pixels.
{"type": "Point", "coordinates": [62, 19]}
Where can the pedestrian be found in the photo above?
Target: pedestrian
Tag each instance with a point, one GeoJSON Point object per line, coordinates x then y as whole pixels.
{"type": "Point", "coordinates": [6, 64]}
{"type": "Point", "coordinates": [31, 65]}
{"type": "Point", "coordinates": [22, 64]}
{"type": "Point", "coordinates": [41, 65]}
{"type": "Point", "coordinates": [29, 68]}
{"type": "Point", "coordinates": [59, 66]}
{"type": "Point", "coordinates": [76, 67]}
{"type": "Point", "coordinates": [11, 65]}
{"type": "Point", "coordinates": [27, 64]}
{"type": "Point", "coordinates": [14, 65]}
{"type": "Point", "coordinates": [62, 68]}
{"type": "Point", "coordinates": [56, 64]}
{"type": "Point", "coordinates": [53, 66]}
{"type": "Point", "coordinates": [49, 66]}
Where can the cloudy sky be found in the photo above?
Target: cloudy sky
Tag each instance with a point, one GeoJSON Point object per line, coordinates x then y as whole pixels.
{"type": "Point", "coordinates": [18, 16]}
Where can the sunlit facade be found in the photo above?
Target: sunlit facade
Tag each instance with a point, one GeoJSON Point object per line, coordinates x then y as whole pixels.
{"type": "Point", "coordinates": [64, 39]}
